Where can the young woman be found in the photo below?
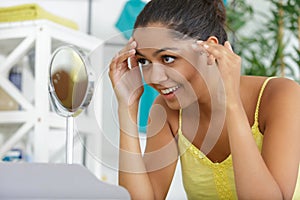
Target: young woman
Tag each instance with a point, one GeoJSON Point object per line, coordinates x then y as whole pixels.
{"type": "Point", "coordinates": [236, 136]}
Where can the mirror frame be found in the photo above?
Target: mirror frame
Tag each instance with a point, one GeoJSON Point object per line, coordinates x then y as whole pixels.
{"type": "Point", "coordinates": [58, 107]}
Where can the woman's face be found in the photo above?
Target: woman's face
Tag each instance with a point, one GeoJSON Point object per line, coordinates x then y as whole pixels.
{"type": "Point", "coordinates": [171, 65]}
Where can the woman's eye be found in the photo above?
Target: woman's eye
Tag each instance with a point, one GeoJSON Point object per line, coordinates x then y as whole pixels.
{"type": "Point", "coordinates": [168, 59]}
{"type": "Point", "coordinates": [143, 62]}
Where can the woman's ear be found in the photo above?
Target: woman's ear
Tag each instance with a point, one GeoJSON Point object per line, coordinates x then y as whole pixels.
{"type": "Point", "coordinates": [211, 59]}
{"type": "Point", "coordinates": [213, 39]}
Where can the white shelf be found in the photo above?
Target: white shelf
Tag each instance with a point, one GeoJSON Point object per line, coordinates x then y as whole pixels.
{"type": "Point", "coordinates": [17, 39]}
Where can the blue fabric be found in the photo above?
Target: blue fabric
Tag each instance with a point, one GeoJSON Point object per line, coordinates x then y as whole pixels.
{"type": "Point", "coordinates": [146, 102]}
{"type": "Point", "coordinates": [128, 15]}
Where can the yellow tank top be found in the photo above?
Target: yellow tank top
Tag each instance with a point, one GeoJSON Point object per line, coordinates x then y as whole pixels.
{"type": "Point", "coordinates": [206, 180]}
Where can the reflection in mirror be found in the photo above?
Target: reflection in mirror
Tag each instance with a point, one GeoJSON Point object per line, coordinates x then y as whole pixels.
{"type": "Point", "coordinates": [69, 78]}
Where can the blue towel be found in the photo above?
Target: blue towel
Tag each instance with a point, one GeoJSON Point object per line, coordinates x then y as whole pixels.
{"type": "Point", "coordinates": [146, 102]}
{"type": "Point", "coordinates": [128, 15]}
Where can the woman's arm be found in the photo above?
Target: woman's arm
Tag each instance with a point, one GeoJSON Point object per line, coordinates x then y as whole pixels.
{"type": "Point", "coordinates": [161, 153]}
{"type": "Point", "coordinates": [272, 174]}
{"type": "Point", "coordinates": [252, 177]}
{"type": "Point", "coordinates": [132, 170]}
{"type": "Point", "coordinates": [144, 178]}
{"type": "Point", "coordinates": [150, 176]}
{"type": "Point", "coordinates": [281, 149]}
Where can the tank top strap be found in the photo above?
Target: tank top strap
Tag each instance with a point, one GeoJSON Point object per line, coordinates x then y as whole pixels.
{"type": "Point", "coordinates": [180, 121]}
{"type": "Point", "coordinates": [259, 99]}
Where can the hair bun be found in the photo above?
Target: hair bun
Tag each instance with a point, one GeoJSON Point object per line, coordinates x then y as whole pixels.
{"type": "Point", "coordinates": [220, 10]}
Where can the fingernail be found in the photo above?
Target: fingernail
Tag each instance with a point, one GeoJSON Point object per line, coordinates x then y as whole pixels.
{"type": "Point", "coordinates": [205, 46]}
{"type": "Point", "coordinates": [131, 51]}
{"type": "Point", "coordinates": [133, 44]}
{"type": "Point", "coordinates": [230, 47]}
{"type": "Point", "coordinates": [199, 41]}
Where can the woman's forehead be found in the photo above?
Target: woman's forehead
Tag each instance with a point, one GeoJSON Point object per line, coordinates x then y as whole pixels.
{"type": "Point", "coordinates": [158, 38]}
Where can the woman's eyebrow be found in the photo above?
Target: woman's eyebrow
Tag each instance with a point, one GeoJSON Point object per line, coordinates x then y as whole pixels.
{"type": "Point", "coordinates": [158, 51]}
{"type": "Point", "coordinates": [138, 53]}
{"type": "Point", "coordinates": [165, 49]}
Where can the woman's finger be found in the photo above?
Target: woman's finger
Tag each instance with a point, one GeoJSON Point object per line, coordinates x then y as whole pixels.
{"type": "Point", "coordinates": [133, 62]}
{"type": "Point", "coordinates": [210, 59]}
{"type": "Point", "coordinates": [226, 48]}
{"type": "Point", "coordinates": [228, 45]}
{"type": "Point", "coordinates": [124, 54]}
{"type": "Point", "coordinates": [217, 50]}
{"type": "Point", "coordinates": [121, 58]}
{"type": "Point", "coordinates": [130, 45]}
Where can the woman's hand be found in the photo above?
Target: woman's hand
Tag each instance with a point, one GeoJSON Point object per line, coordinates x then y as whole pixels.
{"type": "Point", "coordinates": [229, 65]}
{"type": "Point", "coordinates": [126, 80]}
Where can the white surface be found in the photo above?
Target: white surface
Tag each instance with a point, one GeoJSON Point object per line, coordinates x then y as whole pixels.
{"type": "Point", "coordinates": [54, 181]}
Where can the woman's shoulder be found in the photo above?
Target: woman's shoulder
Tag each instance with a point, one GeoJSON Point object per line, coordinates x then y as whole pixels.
{"type": "Point", "coordinates": [282, 92]}
{"type": "Point", "coordinates": [282, 85]}
{"type": "Point", "coordinates": [280, 89]}
{"type": "Point", "coordinates": [280, 97]}
{"type": "Point", "coordinates": [275, 85]}
{"type": "Point", "coordinates": [272, 96]}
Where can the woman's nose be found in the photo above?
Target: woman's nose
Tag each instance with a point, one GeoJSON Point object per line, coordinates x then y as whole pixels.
{"type": "Point", "coordinates": [158, 73]}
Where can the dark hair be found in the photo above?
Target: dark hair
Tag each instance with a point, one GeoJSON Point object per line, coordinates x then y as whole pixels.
{"type": "Point", "coordinates": [198, 19]}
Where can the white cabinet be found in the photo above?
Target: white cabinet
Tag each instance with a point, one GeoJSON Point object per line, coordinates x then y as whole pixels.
{"type": "Point", "coordinates": [34, 114]}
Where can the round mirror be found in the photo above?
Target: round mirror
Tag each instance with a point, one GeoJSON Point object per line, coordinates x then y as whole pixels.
{"type": "Point", "coordinates": [70, 85]}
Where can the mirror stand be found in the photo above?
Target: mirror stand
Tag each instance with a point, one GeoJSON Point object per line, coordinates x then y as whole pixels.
{"type": "Point", "coordinates": [69, 139]}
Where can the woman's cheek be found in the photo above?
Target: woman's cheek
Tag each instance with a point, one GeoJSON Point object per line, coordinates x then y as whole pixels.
{"type": "Point", "coordinates": [146, 72]}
